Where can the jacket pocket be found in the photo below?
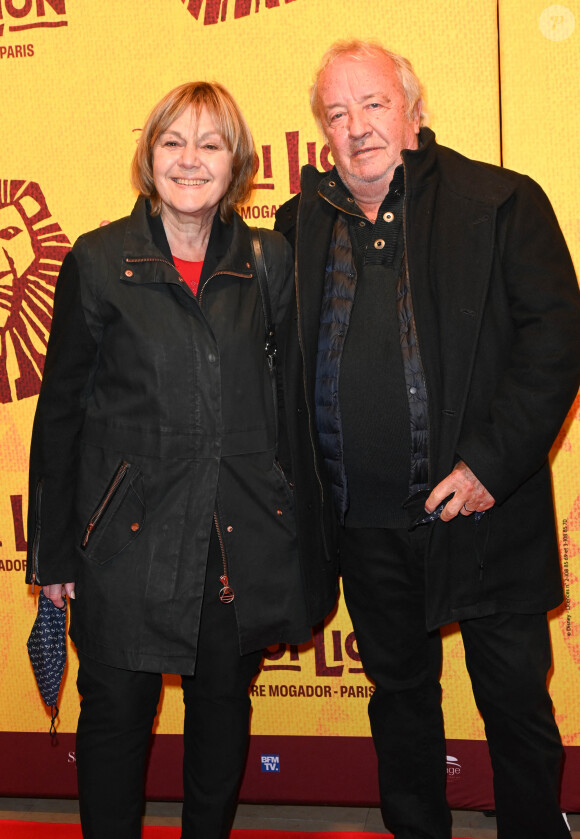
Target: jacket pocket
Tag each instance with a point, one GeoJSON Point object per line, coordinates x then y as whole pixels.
{"type": "Point", "coordinates": [118, 518]}
{"type": "Point", "coordinates": [282, 481]}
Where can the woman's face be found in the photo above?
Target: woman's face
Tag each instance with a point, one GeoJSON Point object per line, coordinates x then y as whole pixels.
{"type": "Point", "coordinates": [192, 166]}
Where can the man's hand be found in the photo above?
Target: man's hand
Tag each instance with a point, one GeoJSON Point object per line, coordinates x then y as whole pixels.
{"type": "Point", "coordinates": [469, 494]}
{"type": "Point", "coordinates": [55, 592]}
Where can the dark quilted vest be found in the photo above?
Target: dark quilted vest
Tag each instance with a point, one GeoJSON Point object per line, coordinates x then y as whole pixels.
{"type": "Point", "coordinates": [337, 302]}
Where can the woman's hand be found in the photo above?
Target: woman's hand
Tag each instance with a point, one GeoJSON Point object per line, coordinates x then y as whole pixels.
{"type": "Point", "coordinates": [55, 593]}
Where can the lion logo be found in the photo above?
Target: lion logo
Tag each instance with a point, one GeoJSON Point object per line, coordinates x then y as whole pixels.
{"type": "Point", "coordinates": [32, 248]}
{"type": "Point", "coordinates": [217, 10]}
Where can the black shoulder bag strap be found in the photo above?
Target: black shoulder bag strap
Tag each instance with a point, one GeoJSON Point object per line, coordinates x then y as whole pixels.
{"type": "Point", "coordinates": [270, 336]}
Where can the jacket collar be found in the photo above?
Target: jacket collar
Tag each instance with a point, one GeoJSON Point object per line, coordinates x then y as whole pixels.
{"type": "Point", "coordinates": [145, 235]}
{"type": "Point", "coordinates": [145, 239]}
{"type": "Point", "coordinates": [475, 181]}
{"type": "Point", "coordinates": [219, 248]}
{"type": "Point", "coordinates": [488, 183]}
{"type": "Point", "coordinates": [420, 164]}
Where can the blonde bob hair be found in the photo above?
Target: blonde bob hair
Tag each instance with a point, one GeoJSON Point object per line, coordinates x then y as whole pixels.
{"type": "Point", "coordinates": [228, 120]}
{"type": "Point", "coordinates": [358, 49]}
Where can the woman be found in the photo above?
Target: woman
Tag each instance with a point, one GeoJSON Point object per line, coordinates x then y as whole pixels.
{"type": "Point", "coordinates": [155, 494]}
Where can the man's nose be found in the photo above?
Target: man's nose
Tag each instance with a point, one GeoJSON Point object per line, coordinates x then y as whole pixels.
{"type": "Point", "coordinates": [358, 124]}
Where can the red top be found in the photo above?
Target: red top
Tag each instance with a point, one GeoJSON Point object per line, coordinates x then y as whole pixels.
{"type": "Point", "coordinates": [190, 271]}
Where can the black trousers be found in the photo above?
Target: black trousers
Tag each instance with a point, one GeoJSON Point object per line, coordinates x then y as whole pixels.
{"type": "Point", "coordinates": [118, 709]}
{"type": "Point", "coordinates": [508, 658]}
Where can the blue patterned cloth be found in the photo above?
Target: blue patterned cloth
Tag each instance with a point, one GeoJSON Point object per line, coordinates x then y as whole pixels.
{"type": "Point", "coordinates": [47, 651]}
{"type": "Point", "coordinates": [428, 517]}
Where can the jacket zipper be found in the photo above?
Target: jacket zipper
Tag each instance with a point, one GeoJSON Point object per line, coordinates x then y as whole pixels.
{"type": "Point", "coordinates": [226, 594]}
{"type": "Point", "coordinates": [171, 265]}
{"type": "Point", "coordinates": [156, 259]}
{"type": "Point", "coordinates": [151, 259]}
{"type": "Point", "coordinates": [415, 325]}
{"type": "Point", "coordinates": [36, 543]}
{"type": "Point", "coordinates": [114, 485]}
{"type": "Point", "coordinates": [217, 274]}
{"type": "Point", "coordinates": [304, 383]}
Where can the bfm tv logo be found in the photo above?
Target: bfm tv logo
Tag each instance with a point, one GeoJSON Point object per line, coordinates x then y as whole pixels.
{"type": "Point", "coordinates": [270, 763]}
{"type": "Point", "coordinates": [19, 15]}
{"type": "Point", "coordinates": [217, 10]}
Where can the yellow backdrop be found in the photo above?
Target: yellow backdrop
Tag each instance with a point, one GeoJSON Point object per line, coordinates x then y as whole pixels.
{"type": "Point", "coordinates": [78, 79]}
{"type": "Point", "coordinates": [540, 52]}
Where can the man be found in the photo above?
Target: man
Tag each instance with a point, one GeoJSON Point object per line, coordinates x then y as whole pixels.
{"type": "Point", "coordinates": [439, 333]}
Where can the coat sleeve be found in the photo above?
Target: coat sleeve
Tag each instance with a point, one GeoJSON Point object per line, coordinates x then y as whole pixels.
{"type": "Point", "coordinates": [510, 437]}
{"type": "Point", "coordinates": [286, 219]}
{"type": "Point", "coordinates": [279, 261]}
{"type": "Point", "coordinates": [71, 359]}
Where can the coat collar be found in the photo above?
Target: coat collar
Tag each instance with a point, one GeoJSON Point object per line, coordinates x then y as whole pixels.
{"type": "Point", "coordinates": [145, 241]}
{"type": "Point", "coordinates": [145, 235]}
{"type": "Point", "coordinates": [473, 180]}
{"type": "Point", "coordinates": [470, 178]}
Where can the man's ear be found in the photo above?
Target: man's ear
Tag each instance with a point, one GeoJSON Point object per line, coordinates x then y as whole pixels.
{"type": "Point", "coordinates": [417, 108]}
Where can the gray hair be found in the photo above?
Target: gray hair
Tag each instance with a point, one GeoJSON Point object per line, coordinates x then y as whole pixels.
{"type": "Point", "coordinates": [358, 50]}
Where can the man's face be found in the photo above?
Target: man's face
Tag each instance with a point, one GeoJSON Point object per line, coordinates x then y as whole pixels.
{"type": "Point", "coordinates": [364, 116]}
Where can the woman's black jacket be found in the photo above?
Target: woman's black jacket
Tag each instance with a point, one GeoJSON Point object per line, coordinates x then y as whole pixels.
{"type": "Point", "coordinates": [155, 417]}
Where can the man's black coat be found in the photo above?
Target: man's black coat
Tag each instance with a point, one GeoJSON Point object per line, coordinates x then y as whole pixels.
{"type": "Point", "coordinates": [497, 313]}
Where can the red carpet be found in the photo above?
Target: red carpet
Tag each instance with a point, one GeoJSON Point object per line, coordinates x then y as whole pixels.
{"type": "Point", "coordinates": [58, 830]}
{"type": "Point", "coordinates": [45, 830]}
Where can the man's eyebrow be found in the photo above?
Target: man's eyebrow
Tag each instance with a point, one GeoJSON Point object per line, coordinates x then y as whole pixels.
{"type": "Point", "coordinates": [333, 105]}
{"type": "Point", "coordinates": [380, 94]}
{"type": "Point", "coordinates": [367, 98]}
